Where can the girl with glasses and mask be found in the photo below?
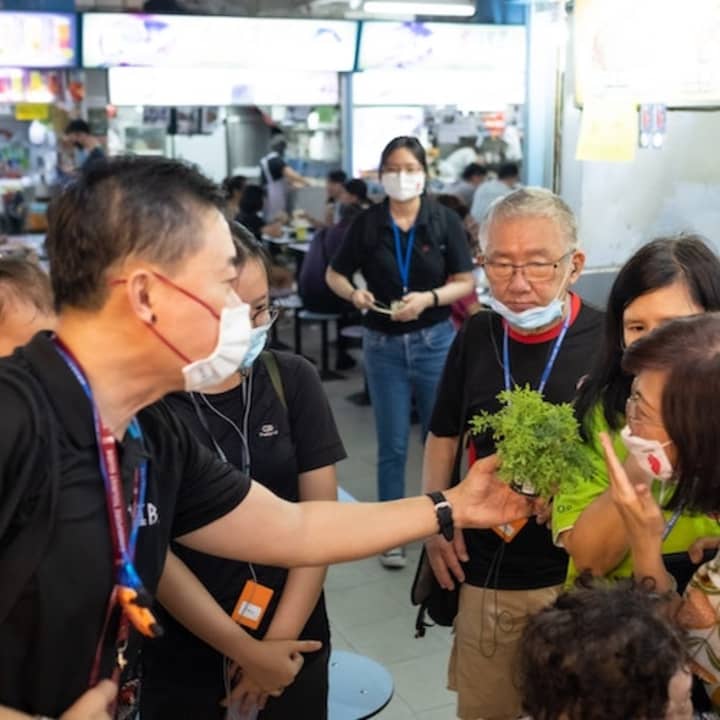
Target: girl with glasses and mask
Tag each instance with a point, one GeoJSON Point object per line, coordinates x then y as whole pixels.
{"type": "Point", "coordinates": [413, 254]}
{"type": "Point", "coordinates": [665, 279]}
{"type": "Point", "coordinates": [273, 421]}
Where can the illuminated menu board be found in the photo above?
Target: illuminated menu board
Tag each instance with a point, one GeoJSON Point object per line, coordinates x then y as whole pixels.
{"type": "Point", "coordinates": [215, 86]}
{"type": "Point", "coordinates": [37, 40]}
{"type": "Point", "coordinates": [442, 46]}
{"type": "Point", "coordinates": [201, 41]}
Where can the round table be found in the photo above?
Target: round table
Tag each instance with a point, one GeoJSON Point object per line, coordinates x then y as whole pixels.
{"type": "Point", "coordinates": [359, 687]}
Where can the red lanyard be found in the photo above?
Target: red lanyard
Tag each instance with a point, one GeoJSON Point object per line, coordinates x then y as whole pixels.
{"type": "Point", "coordinates": [128, 591]}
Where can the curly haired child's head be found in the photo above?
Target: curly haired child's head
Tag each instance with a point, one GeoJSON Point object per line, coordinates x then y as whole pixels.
{"type": "Point", "coordinates": [603, 652]}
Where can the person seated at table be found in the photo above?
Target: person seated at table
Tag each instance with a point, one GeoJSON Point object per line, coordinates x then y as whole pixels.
{"type": "Point", "coordinates": [232, 188]}
{"type": "Point", "coordinates": [250, 215]}
{"type": "Point", "coordinates": [26, 303]}
{"type": "Point", "coordinates": [185, 677]}
{"type": "Point", "coordinates": [355, 192]}
{"type": "Point", "coordinates": [334, 185]}
{"type": "Point", "coordinates": [604, 652]}
{"type": "Point", "coordinates": [312, 287]}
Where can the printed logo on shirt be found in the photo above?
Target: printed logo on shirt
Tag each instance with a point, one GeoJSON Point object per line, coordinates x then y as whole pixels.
{"type": "Point", "coordinates": [268, 431]}
{"type": "Point", "coordinates": [148, 516]}
{"type": "Point", "coordinates": [426, 248]}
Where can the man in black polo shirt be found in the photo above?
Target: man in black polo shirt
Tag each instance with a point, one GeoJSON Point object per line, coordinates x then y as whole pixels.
{"type": "Point", "coordinates": [96, 476]}
{"type": "Point", "coordinates": [542, 335]}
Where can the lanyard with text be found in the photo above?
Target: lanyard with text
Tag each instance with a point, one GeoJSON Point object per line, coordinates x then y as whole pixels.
{"type": "Point", "coordinates": [551, 360]}
{"type": "Point", "coordinates": [404, 262]}
{"type": "Point", "coordinates": [671, 523]}
{"type": "Point", "coordinates": [128, 592]}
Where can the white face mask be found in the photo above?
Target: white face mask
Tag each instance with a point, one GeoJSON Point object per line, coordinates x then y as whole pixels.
{"type": "Point", "coordinates": [649, 455]}
{"type": "Point", "coordinates": [536, 317]}
{"type": "Point", "coordinates": [403, 185]}
{"type": "Point", "coordinates": [229, 353]}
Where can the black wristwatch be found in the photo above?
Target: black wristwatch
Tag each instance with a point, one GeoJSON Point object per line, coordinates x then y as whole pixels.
{"type": "Point", "coordinates": [443, 510]}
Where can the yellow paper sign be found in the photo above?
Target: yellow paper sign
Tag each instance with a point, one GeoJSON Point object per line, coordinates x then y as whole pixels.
{"type": "Point", "coordinates": [32, 111]}
{"type": "Point", "coordinates": [608, 130]}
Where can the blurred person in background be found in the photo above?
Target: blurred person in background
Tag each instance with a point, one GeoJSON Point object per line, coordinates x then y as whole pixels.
{"type": "Point", "coordinates": [277, 177]}
{"type": "Point", "coordinates": [232, 188]}
{"type": "Point", "coordinates": [472, 177]}
{"type": "Point", "coordinates": [89, 148]}
{"type": "Point", "coordinates": [508, 179]}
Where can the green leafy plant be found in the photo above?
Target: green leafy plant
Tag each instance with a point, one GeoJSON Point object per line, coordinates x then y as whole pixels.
{"type": "Point", "coordinates": [538, 443]}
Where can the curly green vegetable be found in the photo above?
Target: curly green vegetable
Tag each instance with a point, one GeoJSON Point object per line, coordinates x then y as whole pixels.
{"type": "Point", "coordinates": [538, 443]}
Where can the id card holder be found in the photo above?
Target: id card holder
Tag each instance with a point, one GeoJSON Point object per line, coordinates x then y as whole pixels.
{"type": "Point", "coordinates": [508, 531]}
{"type": "Point", "coordinates": [252, 604]}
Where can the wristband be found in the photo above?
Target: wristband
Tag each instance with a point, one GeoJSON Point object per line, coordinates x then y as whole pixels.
{"type": "Point", "coordinates": [443, 511]}
{"type": "Point", "coordinates": [436, 299]}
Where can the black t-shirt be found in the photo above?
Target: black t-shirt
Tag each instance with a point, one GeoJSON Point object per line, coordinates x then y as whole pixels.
{"type": "Point", "coordinates": [275, 165]}
{"type": "Point", "coordinates": [48, 640]}
{"type": "Point", "coordinates": [369, 246]}
{"type": "Point", "coordinates": [283, 443]}
{"type": "Point", "coordinates": [471, 381]}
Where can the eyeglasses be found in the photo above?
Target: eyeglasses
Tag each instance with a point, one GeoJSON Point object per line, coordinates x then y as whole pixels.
{"type": "Point", "coordinates": [406, 169]}
{"type": "Point", "coordinates": [268, 315]}
{"type": "Point", "coordinates": [636, 415]}
{"type": "Point", "coordinates": [533, 271]}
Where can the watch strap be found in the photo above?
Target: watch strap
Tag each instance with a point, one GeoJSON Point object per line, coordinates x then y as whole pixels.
{"type": "Point", "coordinates": [443, 511]}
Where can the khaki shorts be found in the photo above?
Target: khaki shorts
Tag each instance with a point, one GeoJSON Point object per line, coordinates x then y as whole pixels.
{"type": "Point", "coordinates": [483, 668]}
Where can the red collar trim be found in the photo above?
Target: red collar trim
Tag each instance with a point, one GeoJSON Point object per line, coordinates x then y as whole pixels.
{"type": "Point", "coordinates": [553, 332]}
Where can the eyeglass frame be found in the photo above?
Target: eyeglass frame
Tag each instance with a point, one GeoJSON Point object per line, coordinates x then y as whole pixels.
{"type": "Point", "coordinates": [631, 416]}
{"type": "Point", "coordinates": [554, 265]}
{"type": "Point", "coordinates": [272, 310]}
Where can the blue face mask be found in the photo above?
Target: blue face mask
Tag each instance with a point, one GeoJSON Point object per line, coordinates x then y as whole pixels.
{"type": "Point", "coordinates": [258, 339]}
{"type": "Point", "coordinates": [532, 318]}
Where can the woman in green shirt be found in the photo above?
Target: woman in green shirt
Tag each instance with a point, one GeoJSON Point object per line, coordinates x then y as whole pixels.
{"type": "Point", "coordinates": [665, 279]}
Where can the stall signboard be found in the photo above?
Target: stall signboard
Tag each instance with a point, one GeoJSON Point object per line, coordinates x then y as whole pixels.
{"type": "Point", "coordinates": [112, 39]}
{"type": "Point", "coordinates": [28, 86]}
{"type": "Point", "coordinates": [37, 40]}
{"type": "Point", "coordinates": [653, 51]}
{"type": "Point", "coordinates": [469, 89]}
{"type": "Point", "coordinates": [204, 87]}
{"type": "Point", "coordinates": [442, 46]}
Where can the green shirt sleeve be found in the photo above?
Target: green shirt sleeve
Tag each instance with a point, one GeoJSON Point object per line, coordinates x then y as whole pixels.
{"type": "Point", "coordinates": [578, 492]}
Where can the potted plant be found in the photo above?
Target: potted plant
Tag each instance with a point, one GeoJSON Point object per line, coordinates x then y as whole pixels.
{"type": "Point", "coordinates": [538, 442]}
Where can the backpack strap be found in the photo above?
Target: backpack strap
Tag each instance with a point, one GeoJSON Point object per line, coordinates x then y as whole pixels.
{"type": "Point", "coordinates": [271, 365]}
{"type": "Point", "coordinates": [20, 558]}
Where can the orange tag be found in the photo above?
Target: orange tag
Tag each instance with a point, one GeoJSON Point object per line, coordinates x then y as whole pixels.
{"type": "Point", "coordinates": [252, 604]}
{"type": "Point", "coordinates": [508, 531]}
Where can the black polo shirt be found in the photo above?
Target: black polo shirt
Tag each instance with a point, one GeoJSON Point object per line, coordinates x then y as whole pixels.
{"type": "Point", "coordinates": [471, 381]}
{"type": "Point", "coordinates": [283, 444]}
{"type": "Point", "coordinates": [48, 640]}
{"type": "Point", "coordinates": [440, 250]}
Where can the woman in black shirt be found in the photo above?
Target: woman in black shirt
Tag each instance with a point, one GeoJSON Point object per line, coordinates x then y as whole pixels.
{"type": "Point", "coordinates": [414, 257]}
{"type": "Point", "coordinates": [273, 421]}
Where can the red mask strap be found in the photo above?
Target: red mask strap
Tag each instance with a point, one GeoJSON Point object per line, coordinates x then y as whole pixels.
{"type": "Point", "coordinates": [169, 282]}
{"type": "Point", "coordinates": [168, 344]}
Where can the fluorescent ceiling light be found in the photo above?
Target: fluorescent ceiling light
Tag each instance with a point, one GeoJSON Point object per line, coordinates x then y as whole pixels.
{"type": "Point", "coordinates": [380, 7]}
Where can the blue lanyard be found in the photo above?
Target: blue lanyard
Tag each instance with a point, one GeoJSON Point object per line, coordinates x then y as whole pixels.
{"type": "Point", "coordinates": [671, 523]}
{"type": "Point", "coordinates": [404, 263]}
{"type": "Point", "coordinates": [551, 360]}
{"type": "Point", "coordinates": [124, 540]}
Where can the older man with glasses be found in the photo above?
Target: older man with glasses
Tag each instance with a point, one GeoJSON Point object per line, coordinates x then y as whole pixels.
{"type": "Point", "coordinates": [537, 333]}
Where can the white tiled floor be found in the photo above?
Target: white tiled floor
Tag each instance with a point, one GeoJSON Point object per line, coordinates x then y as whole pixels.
{"type": "Point", "coordinates": [369, 607]}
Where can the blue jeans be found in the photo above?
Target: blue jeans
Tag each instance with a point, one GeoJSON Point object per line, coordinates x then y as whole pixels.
{"type": "Point", "coordinates": [398, 367]}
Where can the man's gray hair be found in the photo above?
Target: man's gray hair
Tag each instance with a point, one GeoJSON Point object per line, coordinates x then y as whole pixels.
{"type": "Point", "coordinates": [531, 202]}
